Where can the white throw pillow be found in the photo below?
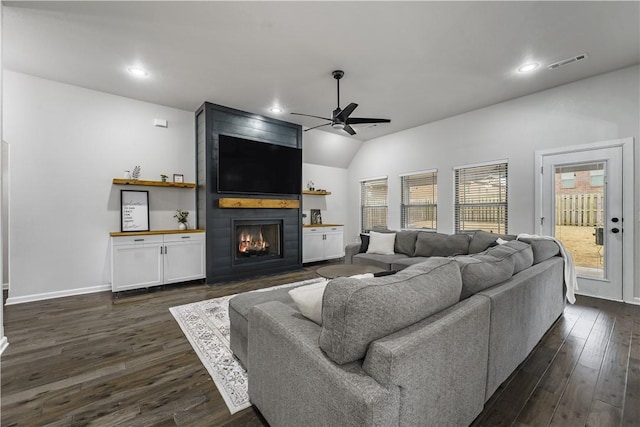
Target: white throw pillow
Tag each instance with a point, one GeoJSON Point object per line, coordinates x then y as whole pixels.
{"type": "Point", "coordinates": [501, 241]}
{"type": "Point", "coordinates": [308, 298]}
{"type": "Point", "coordinates": [381, 243]}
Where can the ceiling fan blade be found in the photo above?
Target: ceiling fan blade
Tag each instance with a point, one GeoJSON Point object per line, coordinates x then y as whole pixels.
{"type": "Point", "coordinates": [309, 115]}
{"type": "Point", "coordinates": [319, 126]}
{"type": "Point", "coordinates": [360, 120]}
{"type": "Point", "coordinates": [344, 114]}
{"type": "Point", "coordinates": [349, 130]}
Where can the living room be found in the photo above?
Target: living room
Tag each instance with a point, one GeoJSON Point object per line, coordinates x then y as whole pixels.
{"type": "Point", "coordinates": [62, 204]}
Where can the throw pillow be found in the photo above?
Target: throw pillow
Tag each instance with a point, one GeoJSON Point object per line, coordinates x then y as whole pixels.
{"type": "Point", "coordinates": [437, 244]}
{"type": "Point", "coordinates": [364, 242]}
{"type": "Point", "coordinates": [308, 298]}
{"type": "Point", "coordinates": [381, 243]}
{"type": "Point", "coordinates": [406, 242]}
{"type": "Point", "coordinates": [481, 240]}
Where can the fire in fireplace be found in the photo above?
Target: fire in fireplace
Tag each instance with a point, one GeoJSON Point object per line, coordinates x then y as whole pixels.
{"type": "Point", "coordinates": [257, 239]}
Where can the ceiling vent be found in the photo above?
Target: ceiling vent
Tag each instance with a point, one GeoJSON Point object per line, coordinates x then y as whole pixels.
{"type": "Point", "coordinates": [567, 61]}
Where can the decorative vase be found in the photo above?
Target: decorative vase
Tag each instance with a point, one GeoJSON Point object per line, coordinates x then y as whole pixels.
{"type": "Point", "coordinates": [182, 226]}
{"type": "Point", "coordinates": [127, 175]}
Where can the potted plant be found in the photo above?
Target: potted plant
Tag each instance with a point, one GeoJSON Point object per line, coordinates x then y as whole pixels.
{"type": "Point", "coordinates": [304, 215]}
{"type": "Point", "coordinates": [164, 177]}
{"type": "Point", "coordinates": [181, 216]}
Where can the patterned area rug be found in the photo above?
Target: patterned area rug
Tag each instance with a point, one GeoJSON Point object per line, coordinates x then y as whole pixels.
{"type": "Point", "coordinates": [206, 326]}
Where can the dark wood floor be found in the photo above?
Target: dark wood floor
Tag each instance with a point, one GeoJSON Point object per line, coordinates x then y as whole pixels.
{"type": "Point", "coordinates": [96, 360]}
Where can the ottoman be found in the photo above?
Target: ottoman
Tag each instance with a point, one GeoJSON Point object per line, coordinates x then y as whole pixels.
{"type": "Point", "coordinates": [239, 307]}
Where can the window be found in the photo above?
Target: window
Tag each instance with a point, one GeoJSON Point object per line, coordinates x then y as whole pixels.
{"type": "Point", "coordinates": [596, 178]}
{"type": "Point", "coordinates": [373, 204]}
{"type": "Point", "coordinates": [419, 200]}
{"type": "Point", "coordinates": [481, 198]}
{"type": "Point", "coordinates": [568, 180]}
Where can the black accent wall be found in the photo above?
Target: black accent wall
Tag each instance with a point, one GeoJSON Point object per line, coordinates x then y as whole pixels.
{"type": "Point", "coordinates": [211, 121]}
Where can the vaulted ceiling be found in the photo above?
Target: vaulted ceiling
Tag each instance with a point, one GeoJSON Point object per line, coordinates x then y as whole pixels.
{"type": "Point", "coordinates": [411, 62]}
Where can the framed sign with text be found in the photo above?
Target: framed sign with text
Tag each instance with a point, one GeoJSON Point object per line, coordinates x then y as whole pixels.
{"type": "Point", "coordinates": [134, 210]}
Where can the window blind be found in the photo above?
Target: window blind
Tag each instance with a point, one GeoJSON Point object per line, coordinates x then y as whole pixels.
{"type": "Point", "coordinates": [373, 204]}
{"type": "Point", "coordinates": [481, 198]}
{"type": "Point", "coordinates": [419, 200]}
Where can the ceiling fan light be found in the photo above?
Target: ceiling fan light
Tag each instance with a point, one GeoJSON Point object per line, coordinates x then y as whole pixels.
{"type": "Point", "coordinates": [137, 71]}
{"type": "Point", "coordinates": [525, 68]}
{"type": "Point", "coordinates": [337, 125]}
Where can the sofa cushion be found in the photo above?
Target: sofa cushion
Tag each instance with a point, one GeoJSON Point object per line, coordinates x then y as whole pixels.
{"type": "Point", "coordinates": [481, 271]}
{"type": "Point", "coordinates": [406, 242]}
{"type": "Point", "coordinates": [520, 252]}
{"type": "Point", "coordinates": [543, 249]}
{"type": "Point", "coordinates": [438, 244]}
{"type": "Point", "coordinates": [382, 261]}
{"type": "Point", "coordinates": [357, 312]}
{"type": "Point", "coordinates": [403, 263]}
{"type": "Point", "coordinates": [364, 242]}
{"type": "Point", "coordinates": [481, 240]}
{"type": "Point", "coordinates": [309, 300]}
{"type": "Point", "coordinates": [381, 243]}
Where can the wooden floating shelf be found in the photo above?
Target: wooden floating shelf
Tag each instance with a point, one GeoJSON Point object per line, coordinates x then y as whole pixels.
{"type": "Point", "coordinates": [258, 203]}
{"type": "Point", "coordinates": [316, 193]}
{"type": "Point", "coordinates": [122, 181]}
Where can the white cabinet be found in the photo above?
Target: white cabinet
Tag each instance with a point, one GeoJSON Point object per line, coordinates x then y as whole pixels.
{"type": "Point", "coordinates": [143, 261]}
{"type": "Point", "coordinates": [321, 243]}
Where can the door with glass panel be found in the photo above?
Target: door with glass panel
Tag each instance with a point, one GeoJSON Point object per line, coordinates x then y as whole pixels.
{"type": "Point", "coordinates": [582, 207]}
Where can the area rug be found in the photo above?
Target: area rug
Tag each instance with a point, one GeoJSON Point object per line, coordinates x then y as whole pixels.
{"type": "Point", "coordinates": [206, 326]}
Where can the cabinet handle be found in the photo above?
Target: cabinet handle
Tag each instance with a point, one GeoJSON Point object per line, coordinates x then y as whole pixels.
{"type": "Point", "coordinates": [161, 250]}
{"type": "Point", "coordinates": [165, 250]}
{"type": "Point", "coordinates": [138, 240]}
{"type": "Point", "coordinates": [186, 237]}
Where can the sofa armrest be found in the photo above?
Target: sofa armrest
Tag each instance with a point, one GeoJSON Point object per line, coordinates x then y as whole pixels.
{"type": "Point", "coordinates": [439, 363]}
{"type": "Point", "coordinates": [349, 251]}
{"type": "Point", "coordinates": [293, 383]}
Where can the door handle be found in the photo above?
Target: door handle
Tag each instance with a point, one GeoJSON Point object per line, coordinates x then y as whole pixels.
{"type": "Point", "coordinates": [615, 230]}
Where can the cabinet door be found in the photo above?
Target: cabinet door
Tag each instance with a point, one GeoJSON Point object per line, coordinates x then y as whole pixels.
{"type": "Point", "coordinates": [184, 258]}
{"type": "Point", "coordinates": [333, 244]}
{"type": "Point", "coordinates": [136, 266]}
{"type": "Point", "coordinates": [312, 246]}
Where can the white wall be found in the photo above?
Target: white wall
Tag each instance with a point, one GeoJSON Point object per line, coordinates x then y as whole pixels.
{"type": "Point", "coordinates": [3, 339]}
{"type": "Point", "coordinates": [67, 144]}
{"type": "Point", "coordinates": [334, 206]}
{"type": "Point", "coordinates": [601, 108]}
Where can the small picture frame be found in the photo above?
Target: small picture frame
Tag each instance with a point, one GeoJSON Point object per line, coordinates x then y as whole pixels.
{"type": "Point", "coordinates": [134, 210]}
{"type": "Point", "coordinates": [178, 177]}
{"type": "Point", "coordinates": [316, 217]}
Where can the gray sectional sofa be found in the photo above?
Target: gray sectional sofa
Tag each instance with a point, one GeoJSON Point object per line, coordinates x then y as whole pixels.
{"type": "Point", "coordinates": [426, 346]}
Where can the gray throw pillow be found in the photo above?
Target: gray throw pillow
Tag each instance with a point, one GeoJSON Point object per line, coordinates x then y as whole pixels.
{"type": "Point", "coordinates": [481, 240]}
{"type": "Point", "coordinates": [480, 272]}
{"type": "Point", "coordinates": [543, 249]}
{"type": "Point", "coordinates": [357, 312]}
{"type": "Point", "coordinates": [406, 242]}
{"type": "Point", "coordinates": [520, 252]}
{"type": "Point", "coordinates": [438, 244]}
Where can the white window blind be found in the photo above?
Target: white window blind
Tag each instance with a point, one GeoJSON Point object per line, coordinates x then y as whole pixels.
{"type": "Point", "coordinates": [419, 200]}
{"type": "Point", "coordinates": [373, 204]}
{"type": "Point", "coordinates": [481, 198]}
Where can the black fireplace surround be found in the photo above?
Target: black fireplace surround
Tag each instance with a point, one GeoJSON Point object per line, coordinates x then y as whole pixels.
{"type": "Point", "coordinates": [280, 249]}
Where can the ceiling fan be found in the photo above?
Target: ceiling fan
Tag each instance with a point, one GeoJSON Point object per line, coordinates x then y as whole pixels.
{"type": "Point", "coordinates": [340, 118]}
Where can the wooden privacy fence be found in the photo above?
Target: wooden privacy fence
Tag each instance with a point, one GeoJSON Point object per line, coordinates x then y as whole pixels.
{"type": "Point", "coordinates": [579, 209]}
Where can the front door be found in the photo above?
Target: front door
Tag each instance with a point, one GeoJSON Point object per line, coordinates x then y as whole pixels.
{"type": "Point", "coordinates": [582, 207]}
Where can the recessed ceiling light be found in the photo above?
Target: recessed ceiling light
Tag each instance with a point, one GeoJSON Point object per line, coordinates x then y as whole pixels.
{"type": "Point", "coordinates": [276, 110]}
{"type": "Point", "coordinates": [528, 67]}
{"type": "Point", "coordinates": [137, 71]}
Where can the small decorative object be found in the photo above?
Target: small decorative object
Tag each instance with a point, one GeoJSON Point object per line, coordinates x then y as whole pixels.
{"type": "Point", "coordinates": [127, 175]}
{"type": "Point", "coordinates": [316, 218]}
{"type": "Point", "coordinates": [135, 174]}
{"type": "Point", "coordinates": [134, 210]}
{"type": "Point", "coordinates": [164, 177]}
{"type": "Point", "coordinates": [177, 177]}
{"type": "Point", "coordinates": [304, 217]}
{"type": "Point", "coordinates": [311, 186]}
{"type": "Point", "coordinates": [181, 216]}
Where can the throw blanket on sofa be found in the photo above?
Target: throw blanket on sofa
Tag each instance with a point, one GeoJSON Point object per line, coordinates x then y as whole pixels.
{"type": "Point", "coordinates": [570, 276]}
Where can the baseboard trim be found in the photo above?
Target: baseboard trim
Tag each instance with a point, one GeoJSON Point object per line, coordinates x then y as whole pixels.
{"type": "Point", "coordinates": [4, 343]}
{"type": "Point", "coordinates": [58, 294]}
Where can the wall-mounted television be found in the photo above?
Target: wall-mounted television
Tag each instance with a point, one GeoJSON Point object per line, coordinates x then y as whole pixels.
{"type": "Point", "coordinates": [246, 166]}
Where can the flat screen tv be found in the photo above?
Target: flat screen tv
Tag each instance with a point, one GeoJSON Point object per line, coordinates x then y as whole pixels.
{"type": "Point", "coordinates": [246, 166]}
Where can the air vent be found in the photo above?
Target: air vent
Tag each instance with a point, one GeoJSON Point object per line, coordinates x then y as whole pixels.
{"type": "Point", "coordinates": [567, 61]}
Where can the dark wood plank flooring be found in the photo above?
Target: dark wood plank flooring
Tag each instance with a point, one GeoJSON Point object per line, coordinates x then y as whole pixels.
{"type": "Point", "coordinates": [96, 360]}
